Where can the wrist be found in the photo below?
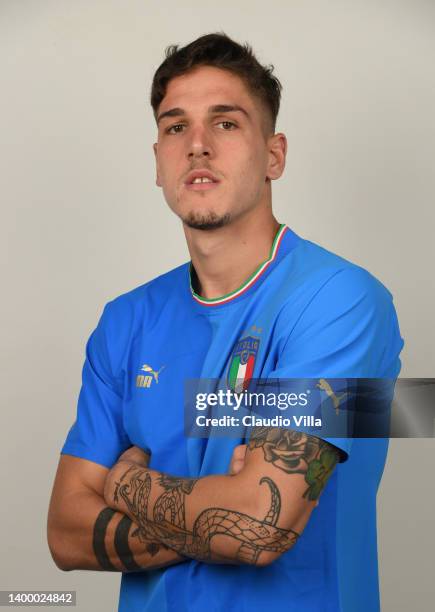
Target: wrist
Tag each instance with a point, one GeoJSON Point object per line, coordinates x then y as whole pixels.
{"type": "Point", "coordinates": [112, 483]}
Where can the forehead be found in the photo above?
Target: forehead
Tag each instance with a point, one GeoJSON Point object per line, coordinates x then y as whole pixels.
{"type": "Point", "coordinates": [205, 86]}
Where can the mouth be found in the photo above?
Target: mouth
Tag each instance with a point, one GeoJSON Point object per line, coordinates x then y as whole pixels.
{"type": "Point", "coordinates": [206, 186]}
{"type": "Point", "coordinates": [201, 180]}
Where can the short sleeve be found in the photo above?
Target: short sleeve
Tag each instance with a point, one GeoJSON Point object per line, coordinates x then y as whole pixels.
{"type": "Point", "coordinates": [98, 433]}
{"type": "Point", "coordinates": [348, 329]}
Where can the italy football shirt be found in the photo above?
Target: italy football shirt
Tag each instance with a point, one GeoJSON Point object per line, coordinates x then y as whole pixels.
{"type": "Point", "coordinates": [308, 313]}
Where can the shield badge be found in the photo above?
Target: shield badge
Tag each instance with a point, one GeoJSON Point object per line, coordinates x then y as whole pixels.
{"type": "Point", "coordinates": [242, 363]}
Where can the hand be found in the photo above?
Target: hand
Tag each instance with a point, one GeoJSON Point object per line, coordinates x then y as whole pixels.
{"type": "Point", "coordinates": [237, 460]}
{"type": "Point", "coordinates": [135, 455]}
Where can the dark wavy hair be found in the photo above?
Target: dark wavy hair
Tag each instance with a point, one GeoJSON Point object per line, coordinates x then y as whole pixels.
{"type": "Point", "coordinates": [220, 51]}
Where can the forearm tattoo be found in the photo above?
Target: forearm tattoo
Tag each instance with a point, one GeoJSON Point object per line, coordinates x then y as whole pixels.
{"type": "Point", "coordinates": [121, 544]}
{"type": "Point", "coordinates": [99, 535]}
{"type": "Point", "coordinates": [168, 522]}
{"type": "Point", "coordinates": [297, 453]}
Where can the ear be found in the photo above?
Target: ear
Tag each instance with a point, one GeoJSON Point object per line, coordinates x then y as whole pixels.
{"type": "Point", "coordinates": [277, 146]}
{"type": "Point", "coordinates": [158, 182]}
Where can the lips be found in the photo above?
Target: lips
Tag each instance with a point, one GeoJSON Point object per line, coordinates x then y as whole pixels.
{"type": "Point", "coordinates": [211, 181]}
{"type": "Point", "coordinates": [200, 174]}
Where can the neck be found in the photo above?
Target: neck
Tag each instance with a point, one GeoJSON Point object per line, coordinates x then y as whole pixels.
{"type": "Point", "coordinates": [213, 253]}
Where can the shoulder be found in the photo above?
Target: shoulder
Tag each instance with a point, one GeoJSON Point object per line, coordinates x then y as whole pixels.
{"type": "Point", "coordinates": [338, 317]}
{"type": "Point", "coordinates": [145, 298]}
{"type": "Point", "coordinates": [331, 280]}
{"type": "Point", "coordinates": [124, 316]}
{"type": "Point", "coordinates": [337, 314]}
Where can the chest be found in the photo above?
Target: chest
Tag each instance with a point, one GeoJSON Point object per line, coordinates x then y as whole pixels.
{"type": "Point", "coordinates": [165, 356]}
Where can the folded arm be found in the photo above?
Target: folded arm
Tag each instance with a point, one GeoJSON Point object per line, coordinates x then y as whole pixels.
{"type": "Point", "coordinates": [250, 518]}
{"type": "Point", "coordinates": [84, 533]}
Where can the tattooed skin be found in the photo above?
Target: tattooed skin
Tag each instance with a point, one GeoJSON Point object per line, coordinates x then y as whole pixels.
{"type": "Point", "coordinates": [168, 519]}
{"type": "Point", "coordinates": [100, 528]}
{"type": "Point", "coordinates": [120, 542]}
{"type": "Point", "coordinates": [296, 453]}
{"type": "Point", "coordinates": [172, 501]}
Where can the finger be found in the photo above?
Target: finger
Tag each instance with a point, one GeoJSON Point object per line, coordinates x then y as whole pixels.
{"type": "Point", "coordinates": [135, 455]}
{"type": "Point", "coordinates": [231, 468]}
{"type": "Point", "coordinates": [239, 451]}
{"type": "Point", "coordinates": [236, 467]}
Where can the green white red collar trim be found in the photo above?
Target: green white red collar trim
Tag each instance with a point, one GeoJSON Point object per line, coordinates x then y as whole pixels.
{"type": "Point", "coordinates": [249, 282]}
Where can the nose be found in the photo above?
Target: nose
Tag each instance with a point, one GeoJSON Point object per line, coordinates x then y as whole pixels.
{"type": "Point", "coordinates": [199, 144]}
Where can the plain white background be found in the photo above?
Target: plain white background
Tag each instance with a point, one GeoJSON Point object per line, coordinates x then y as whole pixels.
{"type": "Point", "coordinates": [82, 220]}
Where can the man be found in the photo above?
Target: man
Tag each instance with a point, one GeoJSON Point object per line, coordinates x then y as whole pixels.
{"type": "Point", "coordinates": [213, 524]}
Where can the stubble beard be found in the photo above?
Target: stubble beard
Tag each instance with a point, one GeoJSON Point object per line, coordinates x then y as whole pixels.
{"type": "Point", "coordinates": [205, 222]}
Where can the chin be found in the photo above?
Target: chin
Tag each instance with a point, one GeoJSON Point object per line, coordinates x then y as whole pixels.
{"type": "Point", "coordinates": [206, 221]}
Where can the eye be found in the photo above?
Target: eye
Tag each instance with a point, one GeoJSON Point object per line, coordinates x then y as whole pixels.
{"type": "Point", "coordinates": [175, 129]}
{"type": "Point", "coordinates": [227, 125]}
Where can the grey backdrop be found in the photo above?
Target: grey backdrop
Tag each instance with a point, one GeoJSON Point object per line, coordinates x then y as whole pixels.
{"type": "Point", "coordinates": [82, 220]}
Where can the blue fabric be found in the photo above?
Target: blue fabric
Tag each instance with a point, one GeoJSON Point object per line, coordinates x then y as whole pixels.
{"type": "Point", "coordinates": [315, 315]}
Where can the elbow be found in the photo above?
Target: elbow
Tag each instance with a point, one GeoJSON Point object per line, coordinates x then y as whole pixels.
{"type": "Point", "coordinates": [59, 550]}
{"type": "Point", "coordinates": [61, 563]}
{"type": "Point", "coordinates": [260, 542]}
{"type": "Point", "coordinates": [268, 554]}
{"type": "Point", "coordinates": [267, 557]}
{"type": "Point", "coordinates": [60, 559]}
{"type": "Point", "coordinates": [58, 555]}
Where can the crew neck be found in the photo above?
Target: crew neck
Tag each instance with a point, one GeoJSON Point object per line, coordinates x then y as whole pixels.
{"type": "Point", "coordinates": [249, 282]}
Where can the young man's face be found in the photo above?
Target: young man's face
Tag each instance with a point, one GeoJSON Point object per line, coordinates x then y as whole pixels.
{"type": "Point", "coordinates": [208, 121]}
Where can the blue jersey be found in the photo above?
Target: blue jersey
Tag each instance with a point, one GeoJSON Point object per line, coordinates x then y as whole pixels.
{"type": "Point", "coordinates": [310, 313]}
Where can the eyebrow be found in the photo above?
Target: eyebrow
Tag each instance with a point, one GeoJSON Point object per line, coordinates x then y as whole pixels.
{"type": "Point", "coordinates": [217, 108]}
